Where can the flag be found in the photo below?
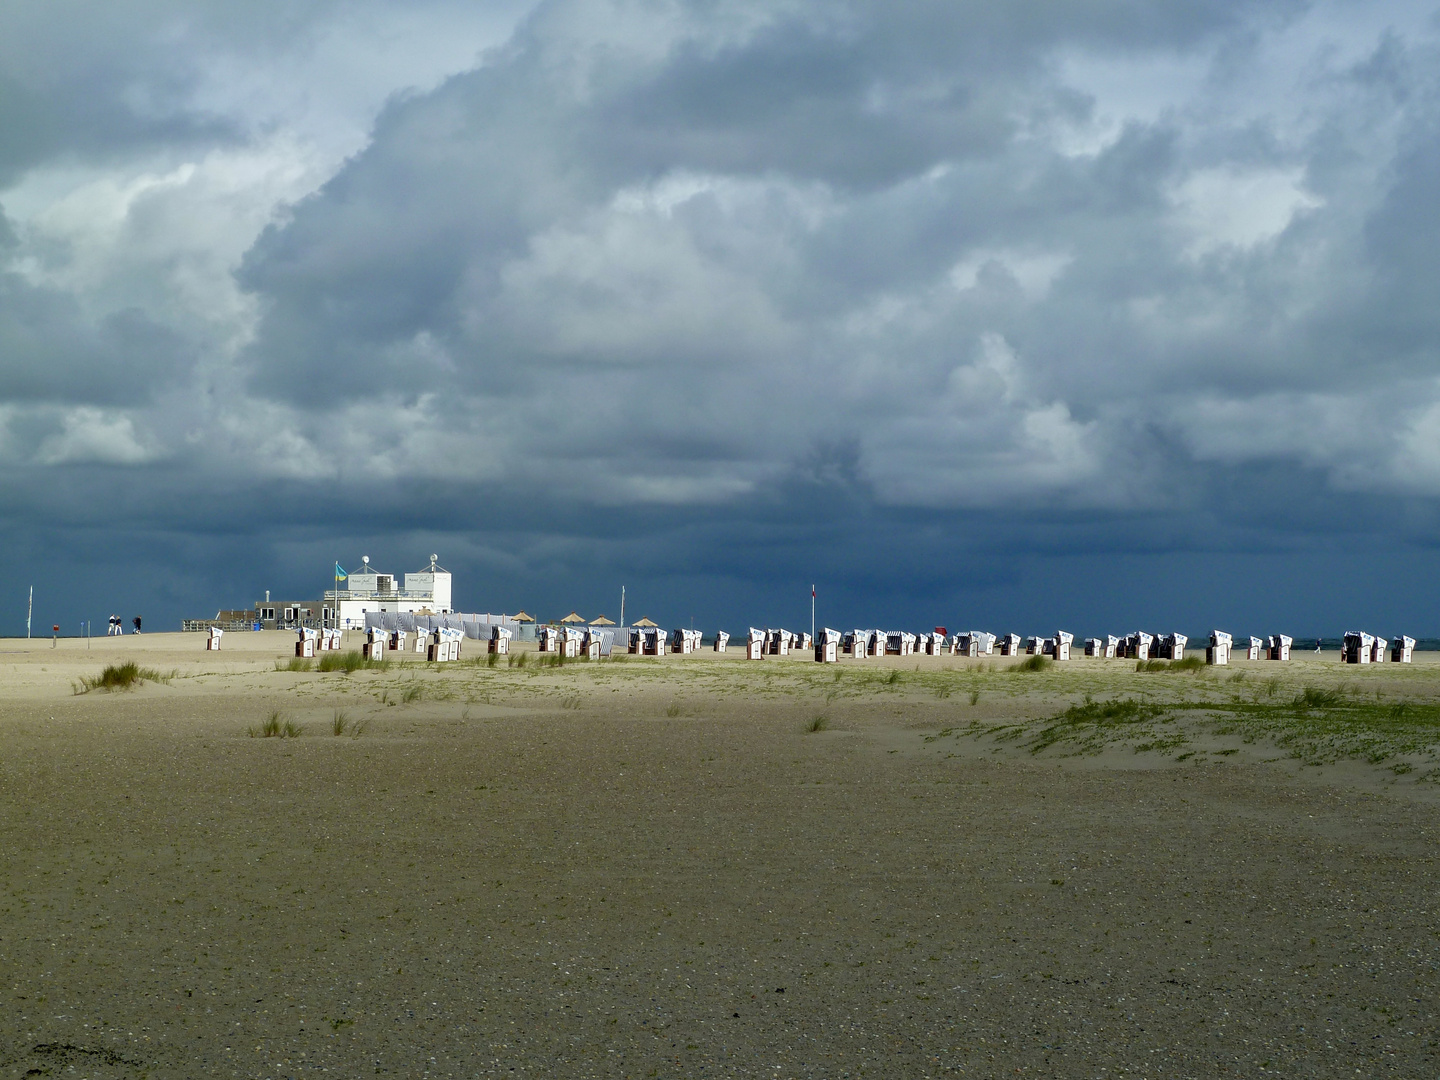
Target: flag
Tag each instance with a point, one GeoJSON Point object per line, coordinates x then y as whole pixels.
{"type": "Point", "coordinates": [812, 592]}
{"type": "Point", "coordinates": [340, 574]}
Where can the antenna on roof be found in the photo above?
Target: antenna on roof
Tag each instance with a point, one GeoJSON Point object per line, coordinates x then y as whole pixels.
{"type": "Point", "coordinates": [365, 559]}
{"type": "Point", "coordinates": [433, 560]}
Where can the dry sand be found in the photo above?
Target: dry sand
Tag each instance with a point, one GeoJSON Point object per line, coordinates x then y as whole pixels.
{"type": "Point", "coordinates": [652, 868]}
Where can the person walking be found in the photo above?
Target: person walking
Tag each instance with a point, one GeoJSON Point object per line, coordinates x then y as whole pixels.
{"type": "Point", "coordinates": [136, 621]}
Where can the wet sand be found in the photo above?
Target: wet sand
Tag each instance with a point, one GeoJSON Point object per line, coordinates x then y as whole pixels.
{"type": "Point", "coordinates": [653, 868]}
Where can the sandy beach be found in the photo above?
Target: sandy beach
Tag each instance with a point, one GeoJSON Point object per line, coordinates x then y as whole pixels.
{"type": "Point", "coordinates": [706, 867]}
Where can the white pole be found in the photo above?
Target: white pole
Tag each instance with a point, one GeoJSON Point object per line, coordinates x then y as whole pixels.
{"type": "Point", "coordinates": [29, 610]}
{"type": "Point", "coordinates": [622, 605]}
{"type": "Point", "coordinates": [812, 612]}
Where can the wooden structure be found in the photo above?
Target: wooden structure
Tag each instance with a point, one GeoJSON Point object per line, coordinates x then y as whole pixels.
{"type": "Point", "coordinates": [1403, 651]}
{"type": "Point", "coordinates": [755, 647]}
{"type": "Point", "coordinates": [376, 639]}
{"type": "Point", "coordinates": [1217, 653]}
{"type": "Point", "coordinates": [1102, 648]}
{"type": "Point", "coordinates": [1171, 646]}
{"type": "Point", "coordinates": [1138, 644]}
{"type": "Point", "coordinates": [1256, 644]}
{"type": "Point", "coordinates": [305, 643]}
{"type": "Point", "coordinates": [500, 640]}
{"type": "Point", "coordinates": [212, 639]}
{"type": "Point", "coordinates": [827, 646]}
{"type": "Point", "coordinates": [722, 640]}
{"type": "Point", "coordinates": [686, 642]}
{"type": "Point", "coordinates": [1280, 647]}
{"type": "Point", "coordinates": [1060, 645]}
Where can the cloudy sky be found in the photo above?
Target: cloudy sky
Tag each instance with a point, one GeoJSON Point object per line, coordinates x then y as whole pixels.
{"type": "Point", "coordinates": [1098, 313]}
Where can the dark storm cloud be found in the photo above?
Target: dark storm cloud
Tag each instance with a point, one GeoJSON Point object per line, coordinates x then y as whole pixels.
{"type": "Point", "coordinates": [51, 352]}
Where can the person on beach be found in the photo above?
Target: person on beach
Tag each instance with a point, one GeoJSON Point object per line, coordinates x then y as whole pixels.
{"type": "Point", "coordinates": [136, 621]}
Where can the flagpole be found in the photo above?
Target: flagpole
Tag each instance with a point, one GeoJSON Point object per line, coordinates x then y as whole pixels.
{"type": "Point", "coordinates": [812, 612]}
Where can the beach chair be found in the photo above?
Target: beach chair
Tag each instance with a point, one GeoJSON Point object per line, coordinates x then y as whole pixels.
{"type": "Point", "coordinates": [1403, 651]}
{"type": "Point", "coordinates": [827, 646]}
{"type": "Point", "coordinates": [500, 640]}
{"type": "Point", "coordinates": [755, 645]}
{"type": "Point", "coordinates": [1217, 653]}
{"type": "Point", "coordinates": [212, 639]}
{"type": "Point", "coordinates": [1060, 645]}
{"type": "Point", "coordinates": [375, 641]}
{"type": "Point", "coordinates": [1280, 647]}
{"type": "Point", "coordinates": [722, 640]}
{"type": "Point", "coordinates": [305, 641]}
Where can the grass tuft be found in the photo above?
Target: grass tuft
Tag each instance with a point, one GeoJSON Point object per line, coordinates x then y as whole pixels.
{"type": "Point", "coordinates": [673, 709]}
{"type": "Point", "coordinates": [296, 663]}
{"type": "Point", "coordinates": [346, 662]}
{"type": "Point", "coordinates": [413, 692]}
{"type": "Point", "coordinates": [1190, 663]}
{"type": "Point", "coordinates": [1033, 663]}
{"type": "Point", "coordinates": [124, 676]}
{"type": "Point", "coordinates": [338, 723]}
{"type": "Point", "coordinates": [820, 723]}
{"type": "Point", "coordinates": [276, 726]}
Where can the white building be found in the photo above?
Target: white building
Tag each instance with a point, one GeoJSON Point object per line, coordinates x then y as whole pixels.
{"type": "Point", "coordinates": [424, 592]}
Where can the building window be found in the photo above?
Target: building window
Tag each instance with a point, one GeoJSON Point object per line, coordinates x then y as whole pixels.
{"type": "Point", "coordinates": [268, 613]}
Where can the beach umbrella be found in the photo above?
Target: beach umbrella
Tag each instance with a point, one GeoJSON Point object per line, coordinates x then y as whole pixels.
{"type": "Point", "coordinates": [645, 623]}
{"type": "Point", "coordinates": [571, 619]}
{"type": "Point", "coordinates": [522, 617]}
{"type": "Point", "coordinates": [601, 620]}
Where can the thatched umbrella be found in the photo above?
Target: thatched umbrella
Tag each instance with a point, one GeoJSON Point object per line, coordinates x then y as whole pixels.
{"type": "Point", "coordinates": [522, 617]}
{"type": "Point", "coordinates": [645, 623]}
{"type": "Point", "coordinates": [601, 620]}
{"type": "Point", "coordinates": [571, 620]}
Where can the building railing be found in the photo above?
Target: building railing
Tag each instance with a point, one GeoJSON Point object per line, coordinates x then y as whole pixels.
{"type": "Point", "coordinates": [336, 595]}
{"type": "Point", "coordinates": [202, 625]}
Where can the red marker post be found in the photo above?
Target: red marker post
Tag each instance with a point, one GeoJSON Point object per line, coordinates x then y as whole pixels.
{"type": "Point", "coordinates": [55, 635]}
